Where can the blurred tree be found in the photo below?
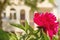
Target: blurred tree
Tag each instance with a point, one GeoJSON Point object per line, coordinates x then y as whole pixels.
{"type": "Point", "coordinates": [33, 4]}
{"type": "Point", "coordinates": [3, 4]}
{"type": "Point", "coordinates": [53, 2]}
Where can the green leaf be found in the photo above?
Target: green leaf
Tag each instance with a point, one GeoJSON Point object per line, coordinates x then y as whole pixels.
{"type": "Point", "coordinates": [59, 31]}
{"type": "Point", "coordinates": [7, 36]}
{"type": "Point", "coordinates": [13, 36]}
{"type": "Point", "coordinates": [19, 26]}
{"type": "Point", "coordinates": [4, 35]}
{"type": "Point", "coordinates": [55, 37]}
{"type": "Point", "coordinates": [28, 28]}
{"type": "Point", "coordinates": [31, 29]}
{"type": "Point", "coordinates": [44, 36]}
{"type": "Point", "coordinates": [26, 25]}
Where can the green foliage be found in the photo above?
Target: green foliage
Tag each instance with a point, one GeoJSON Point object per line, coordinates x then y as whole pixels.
{"type": "Point", "coordinates": [4, 35]}
{"type": "Point", "coordinates": [43, 35]}
{"type": "Point", "coordinates": [7, 36]}
{"type": "Point", "coordinates": [59, 31]}
{"type": "Point", "coordinates": [32, 4]}
{"type": "Point", "coordinates": [13, 36]}
{"type": "Point", "coordinates": [51, 1]}
{"type": "Point", "coordinates": [3, 5]}
{"type": "Point", "coordinates": [31, 34]}
{"type": "Point", "coordinates": [55, 37]}
{"type": "Point", "coordinates": [18, 25]}
{"type": "Point", "coordinates": [41, 1]}
{"type": "Point", "coordinates": [26, 28]}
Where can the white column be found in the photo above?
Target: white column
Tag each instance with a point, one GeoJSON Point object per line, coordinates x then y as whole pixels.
{"type": "Point", "coordinates": [27, 15]}
{"type": "Point", "coordinates": [18, 15]}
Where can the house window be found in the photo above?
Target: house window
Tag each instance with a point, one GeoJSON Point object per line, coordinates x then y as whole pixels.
{"type": "Point", "coordinates": [12, 12]}
{"type": "Point", "coordinates": [31, 14]}
{"type": "Point", "coordinates": [14, 15]}
{"type": "Point", "coordinates": [10, 16]}
{"type": "Point", "coordinates": [4, 15]}
{"type": "Point", "coordinates": [22, 17]}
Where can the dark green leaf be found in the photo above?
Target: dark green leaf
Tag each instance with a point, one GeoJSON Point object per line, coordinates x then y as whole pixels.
{"type": "Point", "coordinates": [26, 25]}
{"type": "Point", "coordinates": [4, 35]}
{"type": "Point", "coordinates": [45, 36]}
{"type": "Point", "coordinates": [13, 36]}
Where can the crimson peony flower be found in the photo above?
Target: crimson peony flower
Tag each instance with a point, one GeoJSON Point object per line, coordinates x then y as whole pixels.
{"type": "Point", "coordinates": [48, 22]}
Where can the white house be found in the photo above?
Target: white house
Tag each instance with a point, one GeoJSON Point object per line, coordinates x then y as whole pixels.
{"type": "Point", "coordinates": [18, 12]}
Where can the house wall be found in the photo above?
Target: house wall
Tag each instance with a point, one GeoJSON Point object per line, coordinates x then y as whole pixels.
{"type": "Point", "coordinates": [17, 10]}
